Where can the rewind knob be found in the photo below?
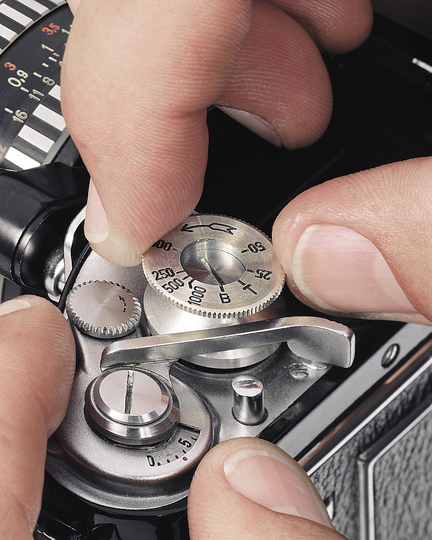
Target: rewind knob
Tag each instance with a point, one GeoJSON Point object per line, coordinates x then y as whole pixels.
{"type": "Point", "coordinates": [103, 309]}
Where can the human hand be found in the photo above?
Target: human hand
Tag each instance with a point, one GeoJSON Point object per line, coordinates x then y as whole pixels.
{"type": "Point", "coordinates": [361, 245]}
{"type": "Point", "coordinates": [324, 265]}
{"type": "Point", "coordinates": [250, 489]}
{"type": "Point", "coordinates": [37, 366]}
{"type": "Point", "coordinates": [257, 59]}
{"type": "Point", "coordinates": [138, 77]}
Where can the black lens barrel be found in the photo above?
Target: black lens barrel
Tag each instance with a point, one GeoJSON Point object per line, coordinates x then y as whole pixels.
{"type": "Point", "coordinates": [36, 207]}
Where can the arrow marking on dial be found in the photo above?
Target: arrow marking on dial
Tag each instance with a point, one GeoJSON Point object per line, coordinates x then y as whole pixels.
{"type": "Point", "coordinates": [213, 226]}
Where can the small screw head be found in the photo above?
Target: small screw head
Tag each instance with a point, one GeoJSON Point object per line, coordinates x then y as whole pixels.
{"type": "Point", "coordinates": [298, 371]}
{"type": "Point", "coordinates": [390, 355]}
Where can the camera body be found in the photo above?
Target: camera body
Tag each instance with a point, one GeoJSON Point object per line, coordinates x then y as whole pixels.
{"type": "Point", "coordinates": [361, 431]}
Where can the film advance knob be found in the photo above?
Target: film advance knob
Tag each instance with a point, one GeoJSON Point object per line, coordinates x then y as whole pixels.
{"type": "Point", "coordinates": [103, 309]}
{"type": "Point", "coordinates": [215, 266]}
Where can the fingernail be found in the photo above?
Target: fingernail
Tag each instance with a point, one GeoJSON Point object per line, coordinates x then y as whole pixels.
{"type": "Point", "coordinates": [256, 124]}
{"type": "Point", "coordinates": [13, 305]}
{"type": "Point", "coordinates": [271, 480]}
{"type": "Point", "coordinates": [96, 223]}
{"type": "Point", "coordinates": [108, 245]}
{"type": "Point", "coordinates": [339, 270]}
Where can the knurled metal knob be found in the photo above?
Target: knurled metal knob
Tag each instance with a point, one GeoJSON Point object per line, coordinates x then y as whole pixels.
{"type": "Point", "coordinates": [215, 266]}
{"type": "Point", "coordinates": [103, 309]}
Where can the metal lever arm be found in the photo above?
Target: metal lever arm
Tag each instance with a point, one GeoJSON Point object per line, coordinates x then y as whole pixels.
{"type": "Point", "coordinates": [315, 340]}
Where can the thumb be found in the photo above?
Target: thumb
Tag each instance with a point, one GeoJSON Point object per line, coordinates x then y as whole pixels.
{"type": "Point", "coordinates": [250, 489]}
{"type": "Point", "coordinates": [360, 245]}
{"type": "Point", "coordinates": [37, 363]}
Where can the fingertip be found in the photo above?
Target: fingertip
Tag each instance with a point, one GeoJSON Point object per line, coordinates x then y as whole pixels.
{"type": "Point", "coordinates": [280, 87]}
{"type": "Point", "coordinates": [96, 226]}
{"type": "Point", "coordinates": [37, 363]}
{"type": "Point", "coordinates": [102, 239]}
{"type": "Point", "coordinates": [255, 124]}
{"type": "Point", "coordinates": [347, 248]}
{"type": "Point", "coordinates": [337, 270]}
{"type": "Point", "coordinates": [44, 372]}
{"type": "Point", "coordinates": [14, 305]}
{"type": "Point", "coordinates": [119, 251]}
{"type": "Point", "coordinates": [122, 224]}
{"type": "Point", "coordinates": [341, 27]}
{"type": "Point", "coordinates": [261, 491]}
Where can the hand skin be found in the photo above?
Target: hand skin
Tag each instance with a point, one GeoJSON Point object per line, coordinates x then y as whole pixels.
{"type": "Point", "coordinates": [136, 109]}
{"type": "Point", "coordinates": [138, 77]}
{"type": "Point", "coordinates": [343, 225]}
{"type": "Point", "coordinates": [264, 492]}
{"type": "Point", "coordinates": [250, 489]}
{"type": "Point", "coordinates": [365, 250]}
{"type": "Point", "coordinates": [37, 366]}
{"type": "Point", "coordinates": [36, 380]}
{"type": "Point", "coordinates": [361, 245]}
{"type": "Point", "coordinates": [242, 478]}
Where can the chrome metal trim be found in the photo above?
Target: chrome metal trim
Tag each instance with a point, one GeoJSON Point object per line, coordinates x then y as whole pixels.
{"type": "Point", "coordinates": [369, 409]}
{"type": "Point", "coordinates": [303, 434]}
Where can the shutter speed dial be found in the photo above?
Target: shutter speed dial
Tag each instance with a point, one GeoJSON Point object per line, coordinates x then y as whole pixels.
{"type": "Point", "coordinates": [215, 266]}
{"type": "Point", "coordinates": [219, 271]}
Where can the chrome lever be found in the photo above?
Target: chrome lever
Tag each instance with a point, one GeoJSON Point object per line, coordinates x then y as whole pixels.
{"type": "Point", "coordinates": [316, 341]}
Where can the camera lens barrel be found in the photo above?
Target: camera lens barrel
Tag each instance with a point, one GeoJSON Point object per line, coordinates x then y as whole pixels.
{"type": "Point", "coordinates": [36, 208]}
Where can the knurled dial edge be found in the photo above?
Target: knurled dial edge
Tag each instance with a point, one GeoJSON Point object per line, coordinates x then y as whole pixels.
{"type": "Point", "coordinates": [215, 266]}
{"type": "Point", "coordinates": [103, 309]}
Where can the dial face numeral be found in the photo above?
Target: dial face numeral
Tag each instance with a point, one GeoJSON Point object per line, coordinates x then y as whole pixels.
{"type": "Point", "coordinates": [215, 266]}
{"type": "Point", "coordinates": [29, 80]}
{"type": "Point", "coordinates": [173, 285]}
{"type": "Point", "coordinates": [163, 244]}
{"type": "Point", "coordinates": [163, 273]}
{"type": "Point", "coordinates": [197, 295]}
{"type": "Point", "coordinates": [177, 449]}
{"type": "Point", "coordinates": [255, 247]}
{"type": "Point", "coordinates": [263, 274]}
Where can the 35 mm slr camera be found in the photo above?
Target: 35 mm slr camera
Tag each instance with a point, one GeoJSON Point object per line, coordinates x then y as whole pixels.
{"type": "Point", "coordinates": [201, 343]}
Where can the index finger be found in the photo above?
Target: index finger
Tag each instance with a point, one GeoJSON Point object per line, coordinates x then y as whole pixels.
{"type": "Point", "coordinates": [137, 80]}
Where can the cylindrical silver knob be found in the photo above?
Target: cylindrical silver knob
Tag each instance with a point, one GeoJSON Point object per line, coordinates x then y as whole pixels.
{"type": "Point", "coordinates": [248, 405]}
{"type": "Point", "coordinates": [131, 407]}
{"type": "Point", "coordinates": [103, 309]}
